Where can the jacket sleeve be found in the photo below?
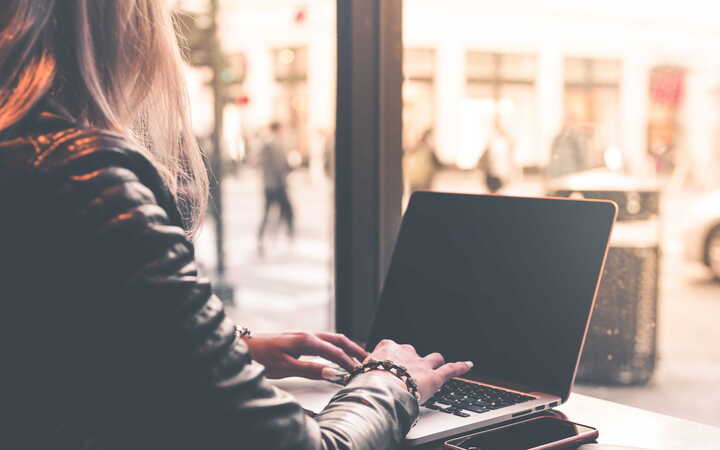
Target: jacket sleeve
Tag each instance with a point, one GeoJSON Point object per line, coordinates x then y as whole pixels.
{"type": "Point", "coordinates": [186, 380]}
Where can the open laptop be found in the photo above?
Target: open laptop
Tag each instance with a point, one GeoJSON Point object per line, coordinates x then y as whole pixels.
{"type": "Point", "coordinates": [506, 282]}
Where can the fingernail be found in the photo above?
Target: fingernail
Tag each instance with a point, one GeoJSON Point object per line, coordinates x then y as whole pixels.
{"type": "Point", "coordinates": [333, 374]}
{"type": "Point", "coordinates": [469, 364]}
{"type": "Point", "coordinates": [356, 361]}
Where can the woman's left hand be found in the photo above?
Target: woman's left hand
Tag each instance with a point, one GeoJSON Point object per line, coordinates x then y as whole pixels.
{"type": "Point", "coordinates": [279, 353]}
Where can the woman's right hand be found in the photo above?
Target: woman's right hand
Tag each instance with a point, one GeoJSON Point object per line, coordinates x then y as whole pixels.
{"type": "Point", "coordinates": [429, 372]}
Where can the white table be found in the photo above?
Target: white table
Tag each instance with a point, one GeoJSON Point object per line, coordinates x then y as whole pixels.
{"type": "Point", "coordinates": [618, 424]}
{"type": "Point", "coordinates": [624, 425]}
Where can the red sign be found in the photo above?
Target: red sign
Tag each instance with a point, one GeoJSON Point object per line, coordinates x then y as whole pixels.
{"type": "Point", "coordinates": [300, 16]}
{"type": "Point", "coordinates": [667, 86]}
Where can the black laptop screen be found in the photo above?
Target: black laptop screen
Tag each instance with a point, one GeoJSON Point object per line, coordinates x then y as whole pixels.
{"type": "Point", "coordinates": [505, 282]}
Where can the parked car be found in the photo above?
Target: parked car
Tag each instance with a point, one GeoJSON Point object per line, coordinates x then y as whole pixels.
{"type": "Point", "coordinates": [702, 233]}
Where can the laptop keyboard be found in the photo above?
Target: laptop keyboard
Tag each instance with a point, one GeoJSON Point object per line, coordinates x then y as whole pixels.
{"type": "Point", "coordinates": [458, 397]}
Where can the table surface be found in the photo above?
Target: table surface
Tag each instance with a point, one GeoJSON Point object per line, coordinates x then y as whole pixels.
{"type": "Point", "coordinates": [625, 426]}
{"type": "Point", "coordinates": [618, 424]}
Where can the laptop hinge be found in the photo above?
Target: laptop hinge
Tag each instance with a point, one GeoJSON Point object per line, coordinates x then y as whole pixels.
{"type": "Point", "coordinates": [501, 384]}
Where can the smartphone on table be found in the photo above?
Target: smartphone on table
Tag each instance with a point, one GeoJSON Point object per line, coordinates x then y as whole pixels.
{"type": "Point", "coordinates": [532, 434]}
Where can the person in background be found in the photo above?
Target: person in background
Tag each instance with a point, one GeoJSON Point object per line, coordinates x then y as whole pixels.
{"type": "Point", "coordinates": [498, 159]}
{"type": "Point", "coordinates": [109, 338]}
{"type": "Point", "coordinates": [419, 163]}
{"type": "Point", "coordinates": [328, 152]}
{"type": "Point", "coordinates": [275, 170]}
{"type": "Point", "coordinates": [569, 151]}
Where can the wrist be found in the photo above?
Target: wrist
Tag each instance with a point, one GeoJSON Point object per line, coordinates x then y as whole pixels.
{"type": "Point", "coordinates": [390, 368]}
{"type": "Point", "coordinates": [384, 373]}
{"type": "Point", "coordinates": [386, 377]}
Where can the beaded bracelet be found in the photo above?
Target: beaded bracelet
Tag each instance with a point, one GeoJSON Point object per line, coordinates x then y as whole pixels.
{"type": "Point", "coordinates": [395, 369]}
{"type": "Point", "coordinates": [242, 332]}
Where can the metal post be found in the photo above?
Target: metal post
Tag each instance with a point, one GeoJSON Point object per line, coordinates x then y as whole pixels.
{"type": "Point", "coordinates": [221, 287]}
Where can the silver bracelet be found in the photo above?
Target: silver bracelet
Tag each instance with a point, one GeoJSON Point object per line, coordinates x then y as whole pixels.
{"type": "Point", "coordinates": [242, 332]}
{"type": "Point", "coordinates": [395, 369]}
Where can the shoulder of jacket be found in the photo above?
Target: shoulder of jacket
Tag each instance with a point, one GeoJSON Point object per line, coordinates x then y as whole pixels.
{"type": "Point", "coordinates": [63, 147]}
{"type": "Point", "coordinates": [53, 143]}
{"type": "Point", "coordinates": [61, 150]}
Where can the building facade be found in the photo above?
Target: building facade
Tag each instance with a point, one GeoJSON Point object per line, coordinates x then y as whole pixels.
{"type": "Point", "coordinates": [642, 80]}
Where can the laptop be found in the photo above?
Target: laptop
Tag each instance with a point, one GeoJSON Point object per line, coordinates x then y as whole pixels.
{"type": "Point", "coordinates": [506, 282]}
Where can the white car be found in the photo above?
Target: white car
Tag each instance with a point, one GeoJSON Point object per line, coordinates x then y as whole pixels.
{"type": "Point", "coordinates": [702, 233]}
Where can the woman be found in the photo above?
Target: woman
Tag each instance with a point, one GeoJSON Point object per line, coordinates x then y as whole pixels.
{"type": "Point", "coordinates": [109, 338]}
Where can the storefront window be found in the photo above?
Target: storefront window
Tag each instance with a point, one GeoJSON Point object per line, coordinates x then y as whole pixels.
{"type": "Point", "coordinates": [666, 93]}
{"type": "Point", "coordinates": [502, 89]}
{"type": "Point", "coordinates": [592, 105]}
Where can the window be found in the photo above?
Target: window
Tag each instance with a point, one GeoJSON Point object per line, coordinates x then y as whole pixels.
{"type": "Point", "coordinates": [592, 103]}
{"type": "Point", "coordinates": [633, 92]}
{"type": "Point", "coordinates": [503, 87]}
{"type": "Point", "coordinates": [279, 66]}
{"type": "Point", "coordinates": [277, 63]}
{"type": "Point", "coordinates": [665, 98]}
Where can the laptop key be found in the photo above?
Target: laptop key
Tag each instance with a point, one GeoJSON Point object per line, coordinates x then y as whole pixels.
{"type": "Point", "coordinates": [461, 395]}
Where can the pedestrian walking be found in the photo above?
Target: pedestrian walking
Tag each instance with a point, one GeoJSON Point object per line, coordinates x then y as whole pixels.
{"type": "Point", "coordinates": [275, 170]}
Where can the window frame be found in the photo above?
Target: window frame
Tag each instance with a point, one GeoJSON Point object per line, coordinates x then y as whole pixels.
{"type": "Point", "coordinates": [368, 156]}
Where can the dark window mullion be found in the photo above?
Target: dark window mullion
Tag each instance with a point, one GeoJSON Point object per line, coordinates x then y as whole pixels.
{"type": "Point", "coordinates": [368, 156]}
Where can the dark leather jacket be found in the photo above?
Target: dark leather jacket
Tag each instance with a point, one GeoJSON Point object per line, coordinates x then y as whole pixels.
{"type": "Point", "coordinates": [109, 338]}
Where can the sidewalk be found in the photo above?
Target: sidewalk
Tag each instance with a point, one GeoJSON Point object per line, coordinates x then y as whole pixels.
{"type": "Point", "coordinates": [291, 287]}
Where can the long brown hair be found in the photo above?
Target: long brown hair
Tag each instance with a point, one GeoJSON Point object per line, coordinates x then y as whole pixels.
{"type": "Point", "coordinates": [111, 64]}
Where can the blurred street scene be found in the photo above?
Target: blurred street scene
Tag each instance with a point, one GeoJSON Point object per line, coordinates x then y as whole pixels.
{"type": "Point", "coordinates": [611, 99]}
